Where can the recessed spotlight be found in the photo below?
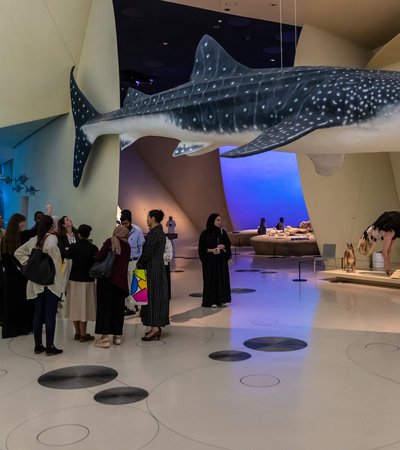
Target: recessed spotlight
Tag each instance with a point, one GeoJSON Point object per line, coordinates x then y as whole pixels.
{"type": "Point", "coordinates": [219, 20]}
{"type": "Point", "coordinates": [272, 59]}
{"type": "Point", "coordinates": [165, 43]}
{"type": "Point", "coordinates": [216, 27]}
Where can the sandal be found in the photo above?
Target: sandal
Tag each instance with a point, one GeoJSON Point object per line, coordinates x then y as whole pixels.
{"type": "Point", "coordinates": [117, 340]}
{"type": "Point", "coordinates": [103, 343]}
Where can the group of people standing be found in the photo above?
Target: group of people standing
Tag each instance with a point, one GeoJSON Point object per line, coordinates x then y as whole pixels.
{"type": "Point", "coordinates": [103, 300]}
{"type": "Point", "coordinates": [86, 300]}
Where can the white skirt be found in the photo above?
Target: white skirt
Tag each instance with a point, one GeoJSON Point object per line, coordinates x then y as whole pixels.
{"type": "Point", "coordinates": [80, 301]}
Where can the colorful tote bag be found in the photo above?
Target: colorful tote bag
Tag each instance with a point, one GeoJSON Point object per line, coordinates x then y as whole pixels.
{"type": "Point", "coordinates": [139, 287]}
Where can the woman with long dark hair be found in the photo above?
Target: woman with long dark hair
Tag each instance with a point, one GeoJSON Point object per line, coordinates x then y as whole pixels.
{"type": "Point", "coordinates": [45, 297]}
{"type": "Point", "coordinates": [215, 252]}
{"type": "Point", "coordinates": [66, 234]}
{"type": "Point", "coordinates": [17, 312]}
{"type": "Point", "coordinates": [156, 313]}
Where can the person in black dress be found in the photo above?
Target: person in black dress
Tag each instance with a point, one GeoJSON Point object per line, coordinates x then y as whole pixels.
{"type": "Point", "coordinates": [32, 232]}
{"type": "Point", "coordinates": [17, 311]}
{"type": "Point", "coordinates": [80, 303]}
{"type": "Point", "coordinates": [156, 313]}
{"type": "Point", "coordinates": [215, 252]}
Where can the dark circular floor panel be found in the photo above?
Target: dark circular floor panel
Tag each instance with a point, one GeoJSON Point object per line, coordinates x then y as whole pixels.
{"type": "Point", "coordinates": [196, 294]}
{"type": "Point", "coordinates": [77, 377]}
{"type": "Point", "coordinates": [242, 290]}
{"type": "Point", "coordinates": [121, 395]}
{"type": "Point", "coordinates": [229, 355]}
{"type": "Point", "coordinates": [275, 344]}
{"type": "Point", "coordinates": [247, 270]}
{"type": "Point", "coordinates": [269, 271]}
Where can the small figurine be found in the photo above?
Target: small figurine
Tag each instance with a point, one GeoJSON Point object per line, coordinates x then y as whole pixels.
{"type": "Point", "coordinates": [349, 259]}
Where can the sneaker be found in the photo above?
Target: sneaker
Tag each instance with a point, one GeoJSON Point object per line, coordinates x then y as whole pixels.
{"type": "Point", "coordinates": [51, 351]}
{"type": "Point", "coordinates": [39, 349]}
{"type": "Point", "coordinates": [224, 305]}
{"type": "Point", "coordinates": [214, 306]}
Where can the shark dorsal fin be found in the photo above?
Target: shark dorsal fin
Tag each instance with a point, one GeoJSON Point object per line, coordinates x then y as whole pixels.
{"type": "Point", "coordinates": [133, 96]}
{"type": "Point", "coordinates": [212, 61]}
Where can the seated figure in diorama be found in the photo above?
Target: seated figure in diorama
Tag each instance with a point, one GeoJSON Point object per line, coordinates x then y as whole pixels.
{"type": "Point", "coordinates": [386, 228]}
{"type": "Point", "coordinates": [262, 228]}
{"type": "Point", "coordinates": [280, 225]}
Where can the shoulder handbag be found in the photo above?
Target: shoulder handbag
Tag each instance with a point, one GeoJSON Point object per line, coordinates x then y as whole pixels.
{"type": "Point", "coordinates": [39, 268]}
{"type": "Point", "coordinates": [103, 269]}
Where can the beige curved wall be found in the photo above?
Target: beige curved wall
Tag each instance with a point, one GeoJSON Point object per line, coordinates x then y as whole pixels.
{"type": "Point", "coordinates": [44, 39]}
{"type": "Point", "coordinates": [343, 205]}
{"type": "Point", "coordinates": [188, 188]}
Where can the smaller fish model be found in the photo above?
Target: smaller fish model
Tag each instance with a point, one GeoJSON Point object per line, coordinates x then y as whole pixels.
{"type": "Point", "coordinates": [227, 103]}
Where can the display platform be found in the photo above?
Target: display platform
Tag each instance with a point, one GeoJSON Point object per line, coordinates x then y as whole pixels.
{"type": "Point", "coordinates": [285, 245]}
{"type": "Point", "coordinates": [363, 276]}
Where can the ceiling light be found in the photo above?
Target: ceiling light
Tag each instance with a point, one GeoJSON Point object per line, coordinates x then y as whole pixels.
{"type": "Point", "coordinates": [165, 43]}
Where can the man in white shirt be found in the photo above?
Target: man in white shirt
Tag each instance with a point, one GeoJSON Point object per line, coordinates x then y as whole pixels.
{"type": "Point", "coordinates": [136, 241]}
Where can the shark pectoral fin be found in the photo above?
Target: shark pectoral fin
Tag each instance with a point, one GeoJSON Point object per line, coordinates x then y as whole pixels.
{"type": "Point", "coordinates": [277, 136]}
{"type": "Point", "coordinates": [327, 164]}
{"type": "Point", "coordinates": [193, 148]}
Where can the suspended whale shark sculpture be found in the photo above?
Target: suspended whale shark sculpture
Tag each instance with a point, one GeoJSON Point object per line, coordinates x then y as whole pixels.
{"type": "Point", "coordinates": [226, 103]}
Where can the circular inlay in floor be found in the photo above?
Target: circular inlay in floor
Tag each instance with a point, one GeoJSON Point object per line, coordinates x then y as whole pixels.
{"type": "Point", "coordinates": [259, 380]}
{"type": "Point", "coordinates": [3, 372]}
{"type": "Point", "coordinates": [382, 347]}
{"type": "Point", "coordinates": [196, 294]}
{"type": "Point", "coordinates": [242, 290]}
{"type": "Point", "coordinates": [60, 435]}
{"type": "Point", "coordinates": [177, 271]}
{"type": "Point", "coordinates": [159, 343]}
{"type": "Point", "coordinates": [77, 377]}
{"type": "Point", "coordinates": [247, 270]}
{"type": "Point", "coordinates": [121, 395]}
{"type": "Point", "coordinates": [229, 355]}
{"type": "Point", "coordinates": [275, 344]}
{"type": "Point", "coordinates": [269, 271]}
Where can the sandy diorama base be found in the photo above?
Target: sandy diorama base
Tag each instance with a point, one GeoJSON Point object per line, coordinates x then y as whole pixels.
{"type": "Point", "coordinates": [365, 276]}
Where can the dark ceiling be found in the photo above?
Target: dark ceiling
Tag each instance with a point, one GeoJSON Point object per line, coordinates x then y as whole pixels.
{"type": "Point", "coordinates": [157, 41]}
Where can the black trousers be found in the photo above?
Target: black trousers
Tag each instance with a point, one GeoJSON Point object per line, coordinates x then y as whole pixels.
{"type": "Point", "coordinates": [110, 308]}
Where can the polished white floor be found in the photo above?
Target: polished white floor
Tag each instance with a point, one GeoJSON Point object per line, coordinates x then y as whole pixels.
{"type": "Point", "coordinates": [341, 392]}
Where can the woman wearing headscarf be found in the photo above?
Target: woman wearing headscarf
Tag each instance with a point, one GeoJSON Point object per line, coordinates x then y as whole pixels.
{"type": "Point", "coordinates": [156, 314]}
{"type": "Point", "coordinates": [111, 292]}
{"type": "Point", "coordinates": [215, 252]}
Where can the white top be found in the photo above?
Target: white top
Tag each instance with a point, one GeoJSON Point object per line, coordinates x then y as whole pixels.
{"type": "Point", "coordinates": [51, 248]}
{"type": "Point", "coordinates": [168, 252]}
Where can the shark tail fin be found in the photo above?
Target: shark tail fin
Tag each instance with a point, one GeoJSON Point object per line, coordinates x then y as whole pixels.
{"type": "Point", "coordinates": [82, 111]}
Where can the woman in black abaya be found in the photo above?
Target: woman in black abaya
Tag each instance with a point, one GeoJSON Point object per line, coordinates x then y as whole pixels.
{"type": "Point", "coordinates": [215, 252]}
{"type": "Point", "coordinates": [17, 311]}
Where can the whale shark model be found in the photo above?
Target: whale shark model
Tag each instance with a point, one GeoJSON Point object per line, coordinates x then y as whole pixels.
{"type": "Point", "coordinates": [226, 103]}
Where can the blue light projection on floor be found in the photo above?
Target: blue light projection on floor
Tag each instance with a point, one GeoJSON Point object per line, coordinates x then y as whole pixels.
{"type": "Point", "coordinates": [264, 185]}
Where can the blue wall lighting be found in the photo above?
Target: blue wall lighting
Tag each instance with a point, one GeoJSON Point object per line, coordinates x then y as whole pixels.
{"type": "Point", "coordinates": [264, 185]}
